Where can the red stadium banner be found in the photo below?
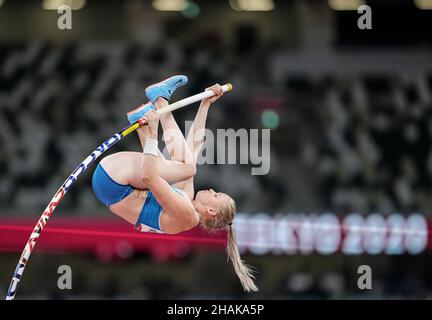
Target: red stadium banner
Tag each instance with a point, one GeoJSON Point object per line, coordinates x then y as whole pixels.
{"type": "Point", "coordinates": [105, 237]}
{"type": "Point", "coordinates": [257, 234]}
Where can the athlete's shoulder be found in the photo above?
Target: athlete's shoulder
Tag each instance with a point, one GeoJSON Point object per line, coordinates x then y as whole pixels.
{"type": "Point", "coordinates": [175, 223]}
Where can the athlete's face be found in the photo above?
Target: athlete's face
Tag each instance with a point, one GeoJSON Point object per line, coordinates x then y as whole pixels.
{"type": "Point", "coordinates": [211, 199]}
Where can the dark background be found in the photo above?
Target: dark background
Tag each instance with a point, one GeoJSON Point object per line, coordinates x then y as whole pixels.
{"type": "Point", "coordinates": [351, 133]}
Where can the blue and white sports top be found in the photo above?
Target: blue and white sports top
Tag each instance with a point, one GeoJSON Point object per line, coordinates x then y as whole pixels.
{"type": "Point", "coordinates": [149, 219]}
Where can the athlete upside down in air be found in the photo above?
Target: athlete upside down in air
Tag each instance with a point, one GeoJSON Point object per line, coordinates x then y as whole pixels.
{"type": "Point", "coordinates": [156, 194]}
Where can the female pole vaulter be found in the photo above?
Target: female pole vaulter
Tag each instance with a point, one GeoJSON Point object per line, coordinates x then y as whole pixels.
{"type": "Point", "coordinates": [156, 194]}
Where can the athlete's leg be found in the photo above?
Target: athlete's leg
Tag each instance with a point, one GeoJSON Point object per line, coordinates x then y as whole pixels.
{"type": "Point", "coordinates": [126, 168]}
{"type": "Point", "coordinates": [182, 165]}
{"type": "Point", "coordinates": [179, 148]}
{"type": "Point", "coordinates": [170, 170]}
{"type": "Point", "coordinates": [173, 137]}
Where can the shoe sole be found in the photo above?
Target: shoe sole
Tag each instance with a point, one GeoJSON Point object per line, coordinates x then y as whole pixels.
{"type": "Point", "coordinates": [156, 84]}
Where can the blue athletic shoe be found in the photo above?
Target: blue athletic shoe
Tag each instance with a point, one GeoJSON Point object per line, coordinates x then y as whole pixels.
{"type": "Point", "coordinates": [166, 88]}
{"type": "Point", "coordinates": [136, 114]}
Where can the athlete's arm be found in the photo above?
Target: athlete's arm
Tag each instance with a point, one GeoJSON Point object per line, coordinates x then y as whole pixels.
{"type": "Point", "coordinates": [195, 139]}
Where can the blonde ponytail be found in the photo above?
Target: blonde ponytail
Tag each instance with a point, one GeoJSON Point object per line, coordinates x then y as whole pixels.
{"type": "Point", "coordinates": [243, 271]}
{"type": "Point", "coordinates": [224, 218]}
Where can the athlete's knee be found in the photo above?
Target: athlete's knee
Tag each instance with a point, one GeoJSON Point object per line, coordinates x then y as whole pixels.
{"type": "Point", "coordinates": [146, 177]}
{"type": "Point", "coordinates": [191, 169]}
